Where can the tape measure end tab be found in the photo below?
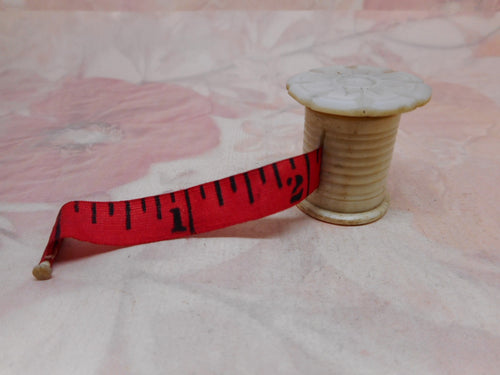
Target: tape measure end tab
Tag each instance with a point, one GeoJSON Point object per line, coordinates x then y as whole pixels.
{"type": "Point", "coordinates": [42, 271]}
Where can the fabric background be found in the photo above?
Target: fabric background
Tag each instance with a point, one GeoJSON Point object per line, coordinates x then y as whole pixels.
{"type": "Point", "coordinates": [109, 100]}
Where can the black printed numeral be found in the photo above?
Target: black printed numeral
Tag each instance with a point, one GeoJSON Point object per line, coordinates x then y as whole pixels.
{"type": "Point", "coordinates": [178, 227]}
{"type": "Point", "coordinates": [297, 188]}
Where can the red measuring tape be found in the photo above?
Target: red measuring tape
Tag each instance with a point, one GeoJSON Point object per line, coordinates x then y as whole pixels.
{"type": "Point", "coordinates": [213, 205]}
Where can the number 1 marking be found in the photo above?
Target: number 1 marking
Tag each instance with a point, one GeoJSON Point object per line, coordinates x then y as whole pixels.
{"type": "Point", "coordinates": [178, 227]}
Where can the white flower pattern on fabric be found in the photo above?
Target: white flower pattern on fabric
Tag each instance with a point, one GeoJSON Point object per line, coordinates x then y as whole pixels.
{"type": "Point", "coordinates": [358, 91]}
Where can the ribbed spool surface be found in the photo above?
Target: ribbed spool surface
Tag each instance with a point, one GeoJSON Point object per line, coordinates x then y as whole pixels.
{"type": "Point", "coordinates": [357, 154]}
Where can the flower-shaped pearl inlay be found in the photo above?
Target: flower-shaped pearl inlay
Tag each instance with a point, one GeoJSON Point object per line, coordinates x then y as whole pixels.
{"type": "Point", "coordinates": [358, 91]}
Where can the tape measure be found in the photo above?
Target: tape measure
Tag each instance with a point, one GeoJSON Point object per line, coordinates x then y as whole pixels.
{"type": "Point", "coordinates": [357, 134]}
{"type": "Point", "coordinates": [246, 196]}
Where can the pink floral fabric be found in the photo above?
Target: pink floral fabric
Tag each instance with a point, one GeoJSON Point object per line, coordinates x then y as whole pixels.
{"type": "Point", "coordinates": [110, 100]}
{"type": "Point", "coordinates": [102, 130]}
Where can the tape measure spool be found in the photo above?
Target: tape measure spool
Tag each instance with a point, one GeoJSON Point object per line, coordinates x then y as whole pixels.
{"type": "Point", "coordinates": [357, 156]}
{"type": "Point", "coordinates": [352, 116]}
{"type": "Point", "coordinates": [353, 113]}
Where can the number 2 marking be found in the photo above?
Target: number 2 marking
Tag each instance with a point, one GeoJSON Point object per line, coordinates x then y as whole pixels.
{"type": "Point", "coordinates": [296, 193]}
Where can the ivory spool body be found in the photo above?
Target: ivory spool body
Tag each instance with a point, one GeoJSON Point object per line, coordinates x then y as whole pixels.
{"type": "Point", "coordinates": [357, 153]}
{"type": "Point", "coordinates": [353, 112]}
